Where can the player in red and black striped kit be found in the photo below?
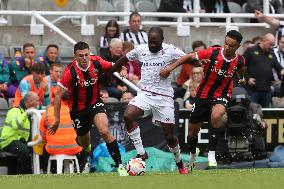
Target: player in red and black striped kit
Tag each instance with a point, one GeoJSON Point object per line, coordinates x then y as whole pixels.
{"type": "Point", "coordinates": [221, 66]}
{"type": "Point", "coordinates": [81, 80]}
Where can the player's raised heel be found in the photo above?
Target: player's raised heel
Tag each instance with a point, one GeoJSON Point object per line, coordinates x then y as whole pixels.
{"type": "Point", "coordinates": [182, 169]}
{"type": "Point", "coordinates": [143, 157]}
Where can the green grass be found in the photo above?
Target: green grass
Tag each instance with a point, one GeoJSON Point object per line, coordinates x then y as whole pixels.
{"type": "Point", "coordinates": [199, 179]}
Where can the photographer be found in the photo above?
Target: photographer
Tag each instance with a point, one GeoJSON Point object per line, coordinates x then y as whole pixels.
{"type": "Point", "coordinates": [244, 134]}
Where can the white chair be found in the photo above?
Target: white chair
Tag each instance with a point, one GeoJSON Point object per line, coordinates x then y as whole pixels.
{"type": "Point", "coordinates": [236, 8]}
{"type": "Point", "coordinates": [3, 104]}
{"type": "Point", "coordinates": [146, 6]}
{"type": "Point", "coordinates": [63, 161]}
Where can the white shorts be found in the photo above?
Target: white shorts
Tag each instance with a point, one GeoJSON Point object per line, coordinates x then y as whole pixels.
{"type": "Point", "coordinates": [162, 107]}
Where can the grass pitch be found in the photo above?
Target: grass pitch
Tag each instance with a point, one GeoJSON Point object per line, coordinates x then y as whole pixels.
{"type": "Point", "coordinates": [199, 179]}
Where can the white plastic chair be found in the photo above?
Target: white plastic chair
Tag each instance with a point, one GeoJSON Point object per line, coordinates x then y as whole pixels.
{"type": "Point", "coordinates": [63, 161]}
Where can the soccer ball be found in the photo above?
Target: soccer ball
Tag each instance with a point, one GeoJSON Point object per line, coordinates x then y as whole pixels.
{"type": "Point", "coordinates": [136, 167]}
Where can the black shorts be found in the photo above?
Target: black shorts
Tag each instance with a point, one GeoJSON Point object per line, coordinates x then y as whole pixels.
{"type": "Point", "coordinates": [83, 120]}
{"type": "Point", "coordinates": [201, 109]}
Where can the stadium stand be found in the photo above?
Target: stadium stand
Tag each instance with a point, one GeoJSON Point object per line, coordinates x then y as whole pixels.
{"type": "Point", "coordinates": [105, 6]}
{"type": "Point", "coordinates": [3, 104]}
{"type": "Point", "coordinates": [146, 6]}
{"type": "Point", "coordinates": [236, 8]}
{"type": "Point", "coordinates": [5, 52]}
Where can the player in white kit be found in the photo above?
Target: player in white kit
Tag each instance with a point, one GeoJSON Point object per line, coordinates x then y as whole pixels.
{"type": "Point", "coordinates": [156, 93]}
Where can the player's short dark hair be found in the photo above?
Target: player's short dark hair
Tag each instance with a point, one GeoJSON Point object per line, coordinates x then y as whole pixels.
{"type": "Point", "coordinates": [51, 46]}
{"type": "Point", "coordinates": [55, 65]}
{"type": "Point", "coordinates": [235, 35]}
{"type": "Point", "coordinates": [157, 30]}
{"type": "Point", "coordinates": [135, 13]}
{"type": "Point", "coordinates": [28, 45]}
{"type": "Point", "coordinates": [80, 46]}
{"type": "Point", "coordinates": [38, 68]}
{"type": "Point", "coordinates": [198, 43]}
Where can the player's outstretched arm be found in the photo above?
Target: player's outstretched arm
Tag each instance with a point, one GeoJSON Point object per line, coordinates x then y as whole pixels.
{"type": "Point", "coordinates": [188, 58]}
{"type": "Point", "coordinates": [119, 63]}
{"type": "Point", "coordinates": [241, 75]}
{"type": "Point", "coordinates": [267, 19]}
{"type": "Point", "coordinates": [57, 106]}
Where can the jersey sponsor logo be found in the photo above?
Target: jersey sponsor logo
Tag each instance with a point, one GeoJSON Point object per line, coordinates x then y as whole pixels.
{"type": "Point", "coordinates": [152, 64]}
{"type": "Point", "coordinates": [86, 83]}
{"type": "Point", "coordinates": [224, 73]}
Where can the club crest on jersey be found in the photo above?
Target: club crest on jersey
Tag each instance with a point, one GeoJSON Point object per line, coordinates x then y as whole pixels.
{"type": "Point", "coordinates": [96, 71]}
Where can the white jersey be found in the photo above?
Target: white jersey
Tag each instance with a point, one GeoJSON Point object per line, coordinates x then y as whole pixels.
{"type": "Point", "coordinates": [152, 64]}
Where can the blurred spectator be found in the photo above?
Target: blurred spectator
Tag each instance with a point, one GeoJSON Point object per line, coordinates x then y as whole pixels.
{"type": "Point", "coordinates": [111, 31]}
{"type": "Point", "coordinates": [256, 39]}
{"type": "Point", "coordinates": [113, 85]}
{"type": "Point", "coordinates": [216, 6]}
{"type": "Point", "coordinates": [275, 6]}
{"type": "Point", "coordinates": [186, 70]}
{"type": "Point", "coordinates": [134, 34]}
{"type": "Point", "coordinates": [104, 96]}
{"type": "Point", "coordinates": [246, 45]}
{"type": "Point", "coordinates": [50, 57]}
{"type": "Point", "coordinates": [240, 2]}
{"type": "Point", "coordinates": [196, 77]}
{"type": "Point", "coordinates": [64, 140]}
{"type": "Point", "coordinates": [35, 83]}
{"type": "Point", "coordinates": [188, 103]}
{"type": "Point", "coordinates": [4, 77]}
{"type": "Point", "coordinates": [20, 67]}
{"type": "Point", "coordinates": [279, 53]}
{"type": "Point", "coordinates": [275, 23]}
{"type": "Point", "coordinates": [127, 96]}
{"type": "Point", "coordinates": [52, 79]}
{"type": "Point", "coordinates": [260, 61]}
{"type": "Point", "coordinates": [170, 6]}
{"type": "Point", "coordinates": [133, 67]}
{"type": "Point", "coordinates": [188, 6]}
{"type": "Point", "coordinates": [15, 132]}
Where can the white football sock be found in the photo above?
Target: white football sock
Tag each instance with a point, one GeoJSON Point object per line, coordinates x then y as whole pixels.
{"type": "Point", "coordinates": [211, 156]}
{"type": "Point", "coordinates": [192, 158]}
{"type": "Point", "coordinates": [137, 141]}
{"type": "Point", "coordinates": [176, 152]}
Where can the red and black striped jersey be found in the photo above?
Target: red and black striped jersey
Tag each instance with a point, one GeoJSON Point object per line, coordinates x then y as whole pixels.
{"type": "Point", "coordinates": [82, 85]}
{"type": "Point", "coordinates": [218, 73]}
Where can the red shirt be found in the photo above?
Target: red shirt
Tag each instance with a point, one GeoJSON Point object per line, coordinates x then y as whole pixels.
{"type": "Point", "coordinates": [82, 85]}
{"type": "Point", "coordinates": [218, 73]}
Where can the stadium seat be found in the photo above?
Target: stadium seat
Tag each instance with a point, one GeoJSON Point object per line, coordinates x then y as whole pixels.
{"type": "Point", "coordinates": [146, 6]}
{"type": "Point", "coordinates": [105, 6]}
{"type": "Point", "coordinates": [3, 103]}
{"type": "Point", "coordinates": [5, 52]}
{"type": "Point", "coordinates": [66, 52]}
{"type": "Point", "coordinates": [119, 6]}
{"type": "Point", "coordinates": [10, 102]}
{"type": "Point", "coordinates": [12, 50]}
{"type": "Point", "coordinates": [180, 102]}
{"type": "Point", "coordinates": [157, 3]}
{"type": "Point", "coordinates": [63, 160]}
{"type": "Point", "coordinates": [236, 8]}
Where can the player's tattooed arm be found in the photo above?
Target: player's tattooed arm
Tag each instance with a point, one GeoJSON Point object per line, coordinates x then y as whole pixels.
{"type": "Point", "coordinates": [241, 76]}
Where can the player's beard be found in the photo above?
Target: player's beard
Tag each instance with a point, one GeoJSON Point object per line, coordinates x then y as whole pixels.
{"type": "Point", "coordinates": [155, 49]}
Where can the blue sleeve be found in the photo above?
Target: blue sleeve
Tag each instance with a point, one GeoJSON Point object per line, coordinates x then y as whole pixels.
{"type": "Point", "coordinates": [24, 87]}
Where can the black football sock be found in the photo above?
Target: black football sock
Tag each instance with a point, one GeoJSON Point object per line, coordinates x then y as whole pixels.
{"type": "Point", "coordinates": [113, 150]}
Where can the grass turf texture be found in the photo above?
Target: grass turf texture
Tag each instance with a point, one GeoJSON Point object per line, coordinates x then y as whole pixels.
{"type": "Point", "coordinates": [203, 179]}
